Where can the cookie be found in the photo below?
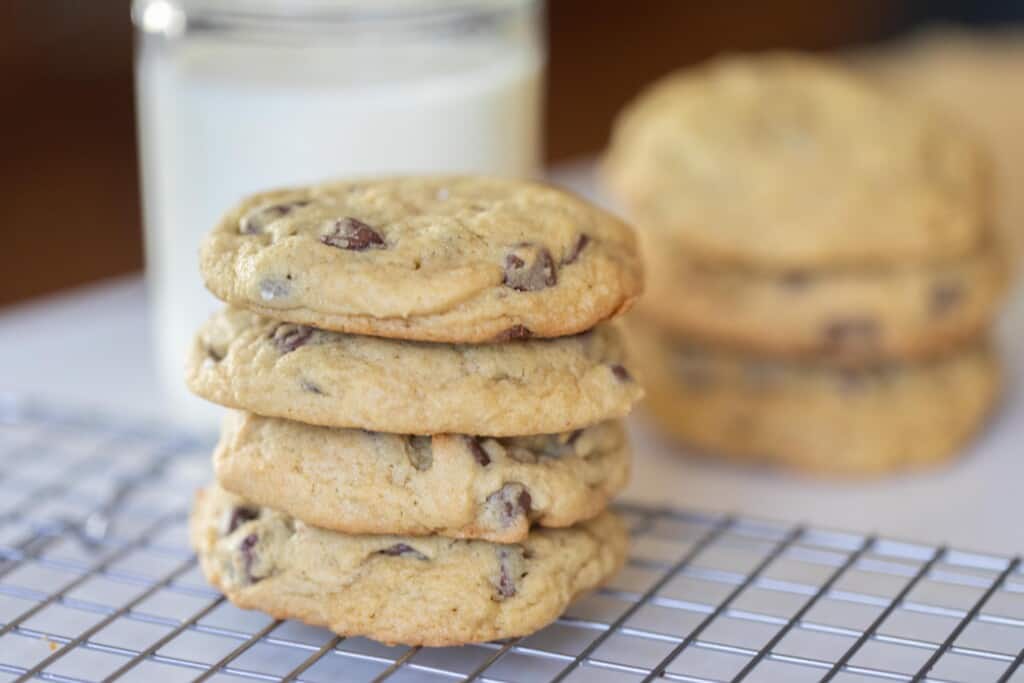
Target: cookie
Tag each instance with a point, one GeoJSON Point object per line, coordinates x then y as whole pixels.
{"type": "Point", "coordinates": [399, 589]}
{"type": "Point", "coordinates": [849, 316]}
{"type": "Point", "coordinates": [539, 386]}
{"type": "Point", "coordinates": [815, 417]}
{"type": "Point", "coordinates": [448, 259]}
{"type": "Point", "coordinates": [782, 162]}
{"type": "Point", "coordinates": [360, 482]}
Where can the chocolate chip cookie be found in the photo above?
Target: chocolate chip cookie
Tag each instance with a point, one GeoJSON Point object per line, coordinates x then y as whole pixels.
{"type": "Point", "coordinates": [399, 589]}
{"type": "Point", "coordinates": [815, 417]}
{"type": "Point", "coordinates": [448, 259]}
{"type": "Point", "coordinates": [361, 482]}
{"type": "Point", "coordinates": [848, 316]}
{"type": "Point", "coordinates": [784, 162]}
{"type": "Point", "coordinates": [538, 386]}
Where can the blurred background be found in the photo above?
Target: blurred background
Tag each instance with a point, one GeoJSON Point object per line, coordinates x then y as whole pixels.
{"type": "Point", "coordinates": [70, 164]}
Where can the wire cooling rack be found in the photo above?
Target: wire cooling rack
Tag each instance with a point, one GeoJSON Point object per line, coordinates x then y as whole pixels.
{"type": "Point", "coordinates": [97, 583]}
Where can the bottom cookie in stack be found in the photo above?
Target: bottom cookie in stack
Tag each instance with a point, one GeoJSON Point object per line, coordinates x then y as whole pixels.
{"type": "Point", "coordinates": [418, 590]}
{"type": "Point", "coordinates": [812, 416]}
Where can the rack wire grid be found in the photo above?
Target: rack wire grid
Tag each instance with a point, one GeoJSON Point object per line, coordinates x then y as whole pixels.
{"type": "Point", "coordinates": [97, 583]}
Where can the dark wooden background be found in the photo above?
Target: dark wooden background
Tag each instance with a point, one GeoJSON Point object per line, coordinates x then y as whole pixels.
{"type": "Point", "coordinates": [71, 215]}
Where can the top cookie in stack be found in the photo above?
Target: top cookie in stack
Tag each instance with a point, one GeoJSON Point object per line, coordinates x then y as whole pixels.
{"type": "Point", "coordinates": [798, 217]}
{"type": "Point", "coordinates": [422, 372]}
{"type": "Point", "coordinates": [458, 260]}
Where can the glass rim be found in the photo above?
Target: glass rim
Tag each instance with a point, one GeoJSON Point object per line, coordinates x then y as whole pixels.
{"type": "Point", "coordinates": [172, 16]}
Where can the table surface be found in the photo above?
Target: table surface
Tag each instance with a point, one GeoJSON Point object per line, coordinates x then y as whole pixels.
{"type": "Point", "coordinates": [90, 349]}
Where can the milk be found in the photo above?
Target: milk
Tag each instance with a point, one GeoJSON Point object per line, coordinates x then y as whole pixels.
{"type": "Point", "coordinates": [220, 119]}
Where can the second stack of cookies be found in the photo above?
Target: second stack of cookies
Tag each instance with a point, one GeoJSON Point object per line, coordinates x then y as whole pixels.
{"type": "Point", "coordinates": [427, 405]}
{"type": "Point", "coordinates": [822, 263]}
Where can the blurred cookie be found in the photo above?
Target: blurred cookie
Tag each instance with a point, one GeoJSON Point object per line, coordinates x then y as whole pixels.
{"type": "Point", "coordinates": [847, 316]}
{"type": "Point", "coordinates": [813, 417]}
{"type": "Point", "coordinates": [447, 259]}
{"type": "Point", "coordinates": [536, 386]}
{"type": "Point", "coordinates": [399, 589]}
{"type": "Point", "coordinates": [781, 162]}
{"type": "Point", "coordinates": [361, 482]}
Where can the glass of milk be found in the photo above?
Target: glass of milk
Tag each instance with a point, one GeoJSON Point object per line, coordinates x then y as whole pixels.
{"type": "Point", "coordinates": [238, 96]}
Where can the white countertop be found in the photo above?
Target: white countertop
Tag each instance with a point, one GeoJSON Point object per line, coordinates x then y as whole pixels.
{"type": "Point", "coordinates": [90, 349]}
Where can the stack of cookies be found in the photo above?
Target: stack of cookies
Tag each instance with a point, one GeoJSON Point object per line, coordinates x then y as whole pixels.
{"type": "Point", "coordinates": [427, 405]}
{"type": "Point", "coordinates": [823, 268]}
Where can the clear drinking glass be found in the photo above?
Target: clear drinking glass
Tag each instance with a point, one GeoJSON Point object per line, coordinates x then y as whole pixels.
{"type": "Point", "coordinates": [237, 96]}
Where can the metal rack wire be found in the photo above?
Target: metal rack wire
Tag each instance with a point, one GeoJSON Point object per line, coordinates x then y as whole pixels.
{"type": "Point", "coordinates": [97, 583]}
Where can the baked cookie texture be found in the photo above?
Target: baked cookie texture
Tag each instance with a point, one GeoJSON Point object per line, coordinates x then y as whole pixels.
{"type": "Point", "coordinates": [540, 386]}
{"type": "Point", "coordinates": [781, 162]}
{"type": "Point", "coordinates": [415, 590]}
{"type": "Point", "coordinates": [361, 482]}
{"type": "Point", "coordinates": [445, 259]}
{"type": "Point", "coordinates": [848, 316]}
{"type": "Point", "coordinates": [817, 417]}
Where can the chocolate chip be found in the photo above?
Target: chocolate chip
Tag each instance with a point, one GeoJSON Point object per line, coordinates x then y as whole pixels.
{"type": "Point", "coordinates": [288, 337]}
{"type": "Point", "coordinates": [529, 267]}
{"type": "Point", "coordinates": [239, 516]}
{"type": "Point", "coordinates": [511, 568]}
{"type": "Point", "coordinates": [581, 243]}
{"type": "Point", "coordinates": [402, 550]}
{"type": "Point", "coordinates": [478, 452]}
{"type": "Point", "coordinates": [945, 296]}
{"type": "Point", "coordinates": [311, 387]}
{"type": "Point", "coordinates": [509, 503]}
{"type": "Point", "coordinates": [852, 334]}
{"type": "Point", "coordinates": [247, 548]}
{"type": "Point", "coordinates": [254, 222]}
{"type": "Point", "coordinates": [514, 333]}
{"type": "Point", "coordinates": [272, 288]}
{"type": "Point", "coordinates": [796, 279]}
{"type": "Point", "coordinates": [352, 234]}
{"type": "Point", "coordinates": [621, 373]}
{"type": "Point", "coordinates": [419, 450]}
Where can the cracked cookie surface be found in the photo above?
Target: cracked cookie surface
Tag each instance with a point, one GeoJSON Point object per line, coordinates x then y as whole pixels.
{"type": "Point", "coordinates": [415, 590]}
{"type": "Point", "coordinates": [536, 386]}
{"type": "Point", "coordinates": [449, 259]}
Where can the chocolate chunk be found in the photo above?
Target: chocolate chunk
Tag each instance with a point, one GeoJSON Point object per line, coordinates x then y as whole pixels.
{"type": "Point", "coordinates": [945, 296]}
{"type": "Point", "coordinates": [239, 516]}
{"type": "Point", "coordinates": [509, 503]}
{"type": "Point", "coordinates": [247, 548]}
{"type": "Point", "coordinates": [852, 334]}
{"type": "Point", "coordinates": [478, 452]}
{"type": "Point", "coordinates": [511, 568]}
{"type": "Point", "coordinates": [288, 337]}
{"type": "Point", "coordinates": [419, 450]}
{"type": "Point", "coordinates": [514, 333]}
{"type": "Point", "coordinates": [352, 234]}
{"type": "Point", "coordinates": [402, 550]}
{"type": "Point", "coordinates": [621, 373]}
{"type": "Point", "coordinates": [581, 243]}
{"type": "Point", "coordinates": [529, 267]}
{"type": "Point", "coordinates": [272, 288]}
{"type": "Point", "coordinates": [311, 387]}
{"type": "Point", "coordinates": [796, 279]}
{"type": "Point", "coordinates": [254, 222]}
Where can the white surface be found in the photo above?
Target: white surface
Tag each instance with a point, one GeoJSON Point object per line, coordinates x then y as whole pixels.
{"type": "Point", "coordinates": [221, 118]}
{"type": "Point", "coordinates": [91, 349]}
